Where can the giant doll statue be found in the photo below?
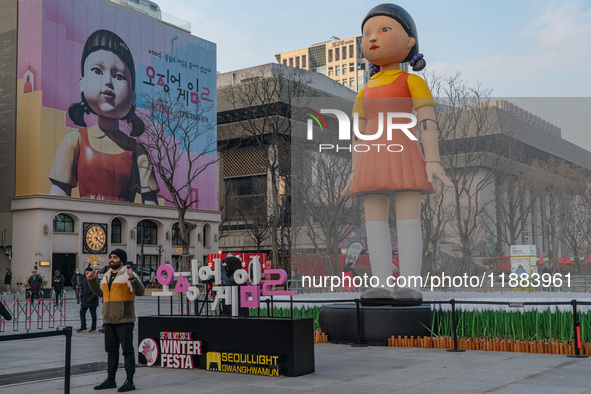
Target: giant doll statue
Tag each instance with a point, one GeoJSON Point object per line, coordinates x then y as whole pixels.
{"type": "Point", "coordinates": [405, 173]}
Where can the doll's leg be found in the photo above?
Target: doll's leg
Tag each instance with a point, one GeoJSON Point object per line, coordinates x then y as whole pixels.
{"type": "Point", "coordinates": [378, 236]}
{"type": "Point", "coordinates": [410, 240]}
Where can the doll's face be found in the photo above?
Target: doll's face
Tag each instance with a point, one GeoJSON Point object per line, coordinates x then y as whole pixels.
{"type": "Point", "coordinates": [106, 85]}
{"type": "Point", "coordinates": [385, 42]}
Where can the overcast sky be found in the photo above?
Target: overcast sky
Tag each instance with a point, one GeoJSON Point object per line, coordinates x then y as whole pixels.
{"type": "Point", "coordinates": [517, 48]}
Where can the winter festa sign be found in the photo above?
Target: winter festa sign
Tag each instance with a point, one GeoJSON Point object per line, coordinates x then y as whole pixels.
{"type": "Point", "coordinates": [248, 345]}
{"type": "Point", "coordinates": [95, 82]}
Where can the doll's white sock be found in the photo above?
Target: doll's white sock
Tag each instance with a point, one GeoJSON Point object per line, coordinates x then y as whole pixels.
{"type": "Point", "coordinates": [380, 251]}
{"type": "Point", "coordinates": [410, 248]}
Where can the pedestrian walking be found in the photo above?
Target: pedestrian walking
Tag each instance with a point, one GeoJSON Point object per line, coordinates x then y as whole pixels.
{"type": "Point", "coordinates": [8, 280]}
{"type": "Point", "coordinates": [88, 302]}
{"type": "Point", "coordinates": [35, 281]}
{"type": "Point", "coordinates": [76, 283]}
{"type": "Point", "coordinates": [119, 287]}
{"type": "Point", "coordinates": [58, 285]}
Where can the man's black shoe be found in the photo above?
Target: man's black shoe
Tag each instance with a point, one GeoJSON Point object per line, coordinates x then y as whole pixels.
{"type": "Point", "coordinates": [127, 386]}
{"type": "Point", "coordinates": [107, 384]}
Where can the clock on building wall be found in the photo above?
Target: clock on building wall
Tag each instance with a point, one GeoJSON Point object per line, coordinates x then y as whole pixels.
{"type": "Point", "coordinates": [95, 238]}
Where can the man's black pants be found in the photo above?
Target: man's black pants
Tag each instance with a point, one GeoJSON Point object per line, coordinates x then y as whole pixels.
{"type": "Point", "coordinates": [115, 335]}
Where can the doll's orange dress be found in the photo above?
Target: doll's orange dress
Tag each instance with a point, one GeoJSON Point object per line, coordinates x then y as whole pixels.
{"type": "Point", "coordinates": [383, 171]}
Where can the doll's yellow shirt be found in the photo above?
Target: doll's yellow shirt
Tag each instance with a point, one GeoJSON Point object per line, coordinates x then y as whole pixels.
{"type": "Point", "coordinates": [419, 91]}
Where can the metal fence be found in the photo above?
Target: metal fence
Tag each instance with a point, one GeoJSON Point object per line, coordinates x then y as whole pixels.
{"type": "Point", "coordinates": [29, 313]}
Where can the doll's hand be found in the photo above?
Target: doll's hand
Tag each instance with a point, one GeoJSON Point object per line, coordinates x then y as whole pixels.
{"type": "Point", "coordinates": [347, 189]}
{"type": "Point", "coordinates": [434, 169]}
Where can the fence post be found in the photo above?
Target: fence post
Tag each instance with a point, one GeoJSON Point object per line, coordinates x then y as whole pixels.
{"type": "Point", "coordinates": [453, 326]}
{"type": "Point", "coordinates": [358, 310]}
{"type": "Point", "coordinates": [68, 368]}
{"type": "Point", "coordinates": [577, 333]}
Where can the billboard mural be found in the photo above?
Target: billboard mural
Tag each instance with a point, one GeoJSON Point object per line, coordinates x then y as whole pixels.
{"type": "Point", "coordinates": [91, 81]}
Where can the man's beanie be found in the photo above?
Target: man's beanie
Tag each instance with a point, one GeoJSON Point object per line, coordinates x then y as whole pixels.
{"type": "Point", "coordinates": [121, 254]}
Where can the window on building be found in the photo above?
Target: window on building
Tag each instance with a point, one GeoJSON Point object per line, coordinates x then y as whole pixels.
{"type": "Point", "coordinates": [344, 49]}
{"type": "Point", "coordinates": [303, 61]}
{"type": "Point", "coordinates": [337, 70]}
{"type": "Point", "coordinates": [149, 261]}
{"type": "Point", "coordinates": [352, 67]}
{"type": "Point", "coordinates": [176, 234]}
{"type": "Point", "coordinates": [330, 72]}
{"type": "Point", "coordinates": [285, 62]}
{"type": "Point", "coordinates": [344, 82]}
{"type": "Point", "coordinates": [291, 62]}
{"type": "Point", "coordinates": [63, 223]}
{"type": "Point", "coordinates": [344, 69]}
{"type": "Point", "coordinates": [297, 64]}
{"type": "Point", "coordinates": [361, 66]}
{"type": "Point", "coordinates": [147, 232]}
{"type": "Point", "coordinates": [337, 55]}
{"type": "Point", "coordinates": [351, 82]}
{"type": "Point", "coordinates": [116, 231]}
{"type": "Point", "coordinates": [206, 235]}
{"type": "Point", "coordinates": [351, 51]}
{"type": "Point", "coordinates": [330, 55]}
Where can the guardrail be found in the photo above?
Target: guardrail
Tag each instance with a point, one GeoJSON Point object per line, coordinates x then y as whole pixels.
{"type": "Point", "coordinates": [28, 311]}
{"type": "Point", "coordinates": [67, 331]}
{"type": "Point", "coordinates": [193, 308]}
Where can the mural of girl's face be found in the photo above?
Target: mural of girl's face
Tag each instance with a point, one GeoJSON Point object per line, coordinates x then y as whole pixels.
{"type": "Point", "coordinates": [107, 85]}
{"type": "Point", "coordinates": [385, 41]}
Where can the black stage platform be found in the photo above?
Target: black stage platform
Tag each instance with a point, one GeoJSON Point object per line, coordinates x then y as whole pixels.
{"type": "Point", "coordinates": [289, 341]}
{"type": "Point", "coordinates": [378, 323]}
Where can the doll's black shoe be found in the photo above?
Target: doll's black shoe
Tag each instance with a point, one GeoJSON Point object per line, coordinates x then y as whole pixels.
{"type": "Point", "coordinates": [404, 296]}
{"type": "Point", "coordinates": [375, 297]}
{"type": "Point", "coordinates": [401, 296]}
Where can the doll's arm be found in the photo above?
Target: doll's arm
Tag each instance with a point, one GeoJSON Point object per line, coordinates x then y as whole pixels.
{"type": "Point", "coordinates": [147, 179]}
{"type": "Point", "coordinates": [65, 165]}
{"type": "Point", "coordinates": [428, 126]}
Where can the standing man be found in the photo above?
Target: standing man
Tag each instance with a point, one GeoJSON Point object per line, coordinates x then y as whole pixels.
{"type": "Point", "coordinates": [89, 301]}
{"type": "Point", "coordinates": [77, 282]}
{"type": "Point", "coordinates": [8, 279]}
{"type": "Point", "coordinates": [119, 287]}
{"type": "Point", "coordinates": [35, 281]}
{"type": "Point", "coordinates": [58, 285]}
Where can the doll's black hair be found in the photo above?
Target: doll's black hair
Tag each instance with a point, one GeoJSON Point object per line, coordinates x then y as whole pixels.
{"type": "Point", "coordinates": [399, 14]}
{"type": "Point", "coordinates": [108, 41]}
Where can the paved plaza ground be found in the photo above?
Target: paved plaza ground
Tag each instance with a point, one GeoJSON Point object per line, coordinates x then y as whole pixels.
{"type": "Point", "coordinates": [33, 366]}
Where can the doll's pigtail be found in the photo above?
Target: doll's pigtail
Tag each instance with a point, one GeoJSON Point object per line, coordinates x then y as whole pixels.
{"type": "Point", "coordinates": [77, 110]}
{"type": "Point", "coordinates": [137, 125]}
{"type": "Point", "coordinates": [418, 62]}
{"type": "Point", "coordinates": [374, 69]}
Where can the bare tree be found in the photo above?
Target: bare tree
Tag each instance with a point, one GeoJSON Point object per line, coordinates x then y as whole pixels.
{"type": "Point", "coordinates": [560, 190]}
{"type": "Point", "coordinates": [331, 216]}
{"type": "Point", "coordinates": [252, 212]}
{"type": "Point", "coordinates": [435, 216]}
{"type": "Point", "coordinates": [468, 152]}
{"type": "Point", "coordinates": [263, 104]}
{"type": "Point", "coordinates": [182, 144]}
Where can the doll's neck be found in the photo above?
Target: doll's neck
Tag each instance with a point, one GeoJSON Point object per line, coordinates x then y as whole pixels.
{"type": "Point", "coordinates": [391, 66]}
{"type": "Point", "coordinates": [108, 124]}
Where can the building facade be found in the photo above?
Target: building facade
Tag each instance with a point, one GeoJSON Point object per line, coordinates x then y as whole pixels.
{"type": "Point", "coordinates": [73, 187]}
{"type": "Point", "coordinates": [341, 60]}
{"type": "Point", "coordinates": [255, 141]}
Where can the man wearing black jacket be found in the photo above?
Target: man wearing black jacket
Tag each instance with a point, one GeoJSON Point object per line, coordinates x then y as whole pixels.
{"type": "Point", "coordinates": [88, 301]}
